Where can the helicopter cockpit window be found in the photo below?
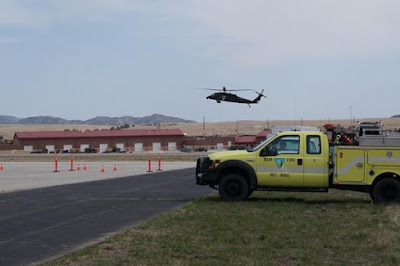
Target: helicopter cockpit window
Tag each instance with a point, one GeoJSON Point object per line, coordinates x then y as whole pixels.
{"type": "Point", "coordinates": [282, 145]}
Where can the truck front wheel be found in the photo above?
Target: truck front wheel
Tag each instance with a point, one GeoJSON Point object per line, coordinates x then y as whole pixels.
{"type": "Point", "coordinates": [233, 187]}
{"type": "Point", "coordinates": [386, 190]}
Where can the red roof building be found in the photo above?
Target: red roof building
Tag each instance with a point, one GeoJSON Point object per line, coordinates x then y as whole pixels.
{"type": "Point", "coordinates": [101, 140]}
{"type": "Point", "coordinates": [262, 135]}
{"type": "Point", "coordinates": [251, 140]}
{"type": "Point", "coordinates": [245, 140]}
{"type": "Point", "coordinates": [96, 134]}
{"type": "Point", "coordinates": [125, 140]}
{"type": "Point", "coordinates": [210, 142]}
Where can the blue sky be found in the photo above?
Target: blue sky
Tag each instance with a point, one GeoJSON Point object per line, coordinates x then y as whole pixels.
{"type": "Point", "coordinates": [80, 59]}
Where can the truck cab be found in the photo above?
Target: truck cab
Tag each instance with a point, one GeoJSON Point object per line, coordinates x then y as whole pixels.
{"type": "Point", "coordinates": [299, 161]}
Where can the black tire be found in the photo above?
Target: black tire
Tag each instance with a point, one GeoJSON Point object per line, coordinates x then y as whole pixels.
{"type": "Point", "coordinates": [249, 192]}
{"type": "Point", "coordinates": [371, 194]}
{"type": "Point", "coordinates": [233, 187]}
{"type": "Point", "coordinates": [386, 190]}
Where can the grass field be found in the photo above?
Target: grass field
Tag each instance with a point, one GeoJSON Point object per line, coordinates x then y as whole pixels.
{"type": "Point", "coordinates": [271, 228]}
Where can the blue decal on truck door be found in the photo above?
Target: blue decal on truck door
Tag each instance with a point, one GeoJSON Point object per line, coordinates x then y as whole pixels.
{"type": "Point", "coordinates": [279, 162]}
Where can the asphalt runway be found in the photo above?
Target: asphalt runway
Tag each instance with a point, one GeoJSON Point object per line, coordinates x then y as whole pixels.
{"type": "Point", "coordinates": [39, 224]}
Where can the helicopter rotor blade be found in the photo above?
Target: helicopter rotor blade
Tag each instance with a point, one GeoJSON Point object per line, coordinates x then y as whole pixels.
{"type": "Point", "coordinates": [208, 89]}
{"type": "Point", "coordinates": [223, 90]}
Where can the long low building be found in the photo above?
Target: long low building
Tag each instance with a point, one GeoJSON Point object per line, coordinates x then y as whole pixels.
{"type": "Point", "coordinates": [124, 140]}
{"type": "Point", "coordinates": [101, 140]}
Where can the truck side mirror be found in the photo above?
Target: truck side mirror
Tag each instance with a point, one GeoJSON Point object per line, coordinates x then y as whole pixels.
{"type": "Point", "coordinates": [263, 152]}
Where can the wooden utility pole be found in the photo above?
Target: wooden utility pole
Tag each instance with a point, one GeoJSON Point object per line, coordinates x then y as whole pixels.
{"type": "Point", "coordinates": [204, 125]}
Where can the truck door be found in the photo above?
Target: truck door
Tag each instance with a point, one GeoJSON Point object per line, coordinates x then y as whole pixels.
{"type": "Point", "coordinates": [315, 163]}
{"type": "Point", "coordinates": [280, 163]}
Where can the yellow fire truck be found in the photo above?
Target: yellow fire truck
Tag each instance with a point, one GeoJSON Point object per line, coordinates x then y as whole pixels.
{"type": "Point", "coordinates": [303, 161]}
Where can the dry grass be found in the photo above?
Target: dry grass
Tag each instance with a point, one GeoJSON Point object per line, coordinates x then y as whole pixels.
{"type": "Point", "coordinates": [8, 131]}
{"type": "Point", "coordinates": [196, 129]}
{"type": "Point", "coordinates": [271, 228]}
{"type": "Point", "coordinates": [254, 127]}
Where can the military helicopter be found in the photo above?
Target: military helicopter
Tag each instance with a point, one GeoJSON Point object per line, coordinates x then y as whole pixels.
{"type": "Point", "coordinates": [224, 96]}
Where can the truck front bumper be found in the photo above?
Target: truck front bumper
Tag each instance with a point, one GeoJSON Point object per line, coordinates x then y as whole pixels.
{"type": "Point", "coordinates": [205, 175]}
{"type": "Point", "coordinates": [206, 179]}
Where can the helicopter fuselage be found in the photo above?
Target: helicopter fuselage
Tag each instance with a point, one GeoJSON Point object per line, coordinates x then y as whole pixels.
{"type": "Point", "coordinates": [229, 97]}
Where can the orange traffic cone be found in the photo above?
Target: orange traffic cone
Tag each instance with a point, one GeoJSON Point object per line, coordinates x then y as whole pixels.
{"type": "Point", "coordinates": [1, 167]}
{"type": "Point", "coordinates": [102, 169]}
{"type": "Point", "coordinates": [84, 167]}
{"type": "Point", "coordinates": [115, 167]}
{"type": "Point", "coordinates": [78, 168]}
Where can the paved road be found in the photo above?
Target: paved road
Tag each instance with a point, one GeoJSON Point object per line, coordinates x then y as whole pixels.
{"type": "Point", "coordinates": [39, 224]}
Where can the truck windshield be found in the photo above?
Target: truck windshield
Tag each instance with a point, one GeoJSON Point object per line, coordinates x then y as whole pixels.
{"type": "Point", "coordinates": [262, 143]}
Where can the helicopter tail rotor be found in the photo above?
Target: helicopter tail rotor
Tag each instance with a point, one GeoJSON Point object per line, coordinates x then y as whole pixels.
{"type": "Point", "coordinates": [261, 94]}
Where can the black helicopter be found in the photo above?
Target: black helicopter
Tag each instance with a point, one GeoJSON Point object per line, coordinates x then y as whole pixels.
{"type": "Point", "coordinates": [224, 96]}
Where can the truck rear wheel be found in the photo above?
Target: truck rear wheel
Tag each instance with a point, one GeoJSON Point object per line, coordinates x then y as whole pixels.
{"type": "Point", "coordinates": [386, 190]}
{"type": "Point", "coordinates": [233, 187]}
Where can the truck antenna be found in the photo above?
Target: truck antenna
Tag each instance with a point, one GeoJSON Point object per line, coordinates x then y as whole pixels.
{"type": "Point", "coordinates": [295, 113]}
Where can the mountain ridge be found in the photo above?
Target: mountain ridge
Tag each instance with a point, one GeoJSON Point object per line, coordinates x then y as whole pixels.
{"type": "Point", "coordinates": [99, 120]}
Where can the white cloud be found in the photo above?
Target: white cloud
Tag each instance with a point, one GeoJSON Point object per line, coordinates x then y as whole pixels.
{"type": "Point", "coordinates": [269, 32]}
{"type": "Point", "coordinates": [12, 14]}
{"type": "Point", "coordinates": [8, 40]}
{"type": "Point", "coordinates": [93, 10]}
{"type": "Point", "coordinates": [46, 13]}
{"type": "Point", "coordinates": [248, 33]}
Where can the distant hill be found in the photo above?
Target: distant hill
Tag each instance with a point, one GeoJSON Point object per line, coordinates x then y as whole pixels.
{"type": "Point", "coordinates": [4, 119]}
{"type": "Point", "coordinates": [100, 120]}
{"type": "Point", "coordinates": [160, 119]}
{"type": "Point", "coordinates": [395, 116]}
{"type": "Point", "coordinates": [105, 120]}
{"type": "Point", "coordinates": [43, 120]}
{"type": "Point", "coordinates": [146, 120]}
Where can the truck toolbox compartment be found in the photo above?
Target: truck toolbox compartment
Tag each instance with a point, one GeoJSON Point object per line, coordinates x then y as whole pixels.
{"type": "Point", "coordinates": [350, 165]}
{"type": "Point", "coordinates": [384, 157]}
